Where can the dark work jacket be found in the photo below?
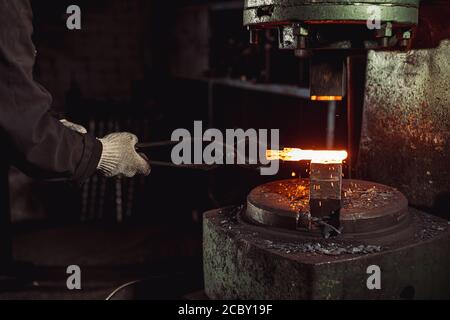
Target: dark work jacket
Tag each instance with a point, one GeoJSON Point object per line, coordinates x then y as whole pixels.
{"type": "Point", "coordinates": [36, 142]}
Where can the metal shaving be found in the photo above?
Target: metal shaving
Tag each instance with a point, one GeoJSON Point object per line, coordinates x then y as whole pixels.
{"type": "Point", "coordinates": [358, 197]}
{"type": "Point", "coordinates": [229, 221]}
{"type": "Point", "coordinates": [332, 248]}
{"type": "Point", "coordinates": [429, 228]}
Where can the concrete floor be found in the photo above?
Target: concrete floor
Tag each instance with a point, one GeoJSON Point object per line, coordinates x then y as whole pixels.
{"type": "Point", "coordinates": [169, 260]}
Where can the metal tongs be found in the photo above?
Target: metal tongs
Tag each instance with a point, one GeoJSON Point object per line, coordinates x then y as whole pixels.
{"type": "Point", "coordinates": [204, 167]}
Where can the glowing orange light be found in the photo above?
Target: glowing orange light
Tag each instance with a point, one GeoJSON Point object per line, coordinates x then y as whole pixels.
{"type": "Point", "coordinates": [315, 156]}
{"type": "Point", "coordinates": [293, 174]}
{"type": "Point", "coordinates": [326, 98]}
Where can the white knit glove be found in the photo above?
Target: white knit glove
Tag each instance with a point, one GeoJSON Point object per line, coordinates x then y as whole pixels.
{"type": "Point", "coordinates": [73, 126]}
{"type": "Point", "coordinates": [119, 156]}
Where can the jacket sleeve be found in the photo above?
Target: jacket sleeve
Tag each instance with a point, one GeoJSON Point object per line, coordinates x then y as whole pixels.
{"type": "Point", "coordinates": [39, 143]}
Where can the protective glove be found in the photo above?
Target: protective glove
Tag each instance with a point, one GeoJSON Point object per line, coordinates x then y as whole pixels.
{"type": "Point", "coordinates": [119, 156]}
{"type": "Point", "coordinates": [73, 126]}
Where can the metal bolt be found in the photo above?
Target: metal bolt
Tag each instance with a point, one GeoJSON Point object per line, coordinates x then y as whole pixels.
{"type": "Point", "coordinates": [385, 31]}
{"type": "Point", "coordinates": [287, 38]}
{"type": "Point", "coordinates": [406, 38]}
{"type": "Point", "coordinates": [302, 31]}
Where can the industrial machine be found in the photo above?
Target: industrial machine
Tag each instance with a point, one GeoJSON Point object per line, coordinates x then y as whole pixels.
{"type": "Point", "coordinates": [321, 238]}
{"type": "Point", "coordinates": [327, 32]}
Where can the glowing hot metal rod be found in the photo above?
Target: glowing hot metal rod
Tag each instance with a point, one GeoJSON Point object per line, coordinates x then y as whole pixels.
{"type": "Point", "coordinates": [316, 156]}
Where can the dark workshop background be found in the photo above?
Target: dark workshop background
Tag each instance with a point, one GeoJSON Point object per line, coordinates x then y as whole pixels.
{"type": "Point", "coordinates": [150, 67]}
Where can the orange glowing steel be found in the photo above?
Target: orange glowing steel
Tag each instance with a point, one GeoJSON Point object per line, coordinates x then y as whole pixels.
{"type": "Point", "coordinates": [326, 98]}
{"type": "Point", "coordinates": [315, 156]}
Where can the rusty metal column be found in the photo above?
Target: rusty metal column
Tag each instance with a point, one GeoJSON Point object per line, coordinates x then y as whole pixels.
{"type": "Point", "coordinates": [356, 82]}
{"type": "Point", "coordinates": [331, 124]}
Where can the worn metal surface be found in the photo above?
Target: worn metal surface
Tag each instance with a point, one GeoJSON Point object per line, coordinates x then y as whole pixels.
{"type": "Point", "coordinates": [276, 11]}
{"type": "Point", "coordinates": [405, 140]}
{"type": "Point", "coordinates": [243, 261]}
{"type": "Point", "coordinates": [370, 211]}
